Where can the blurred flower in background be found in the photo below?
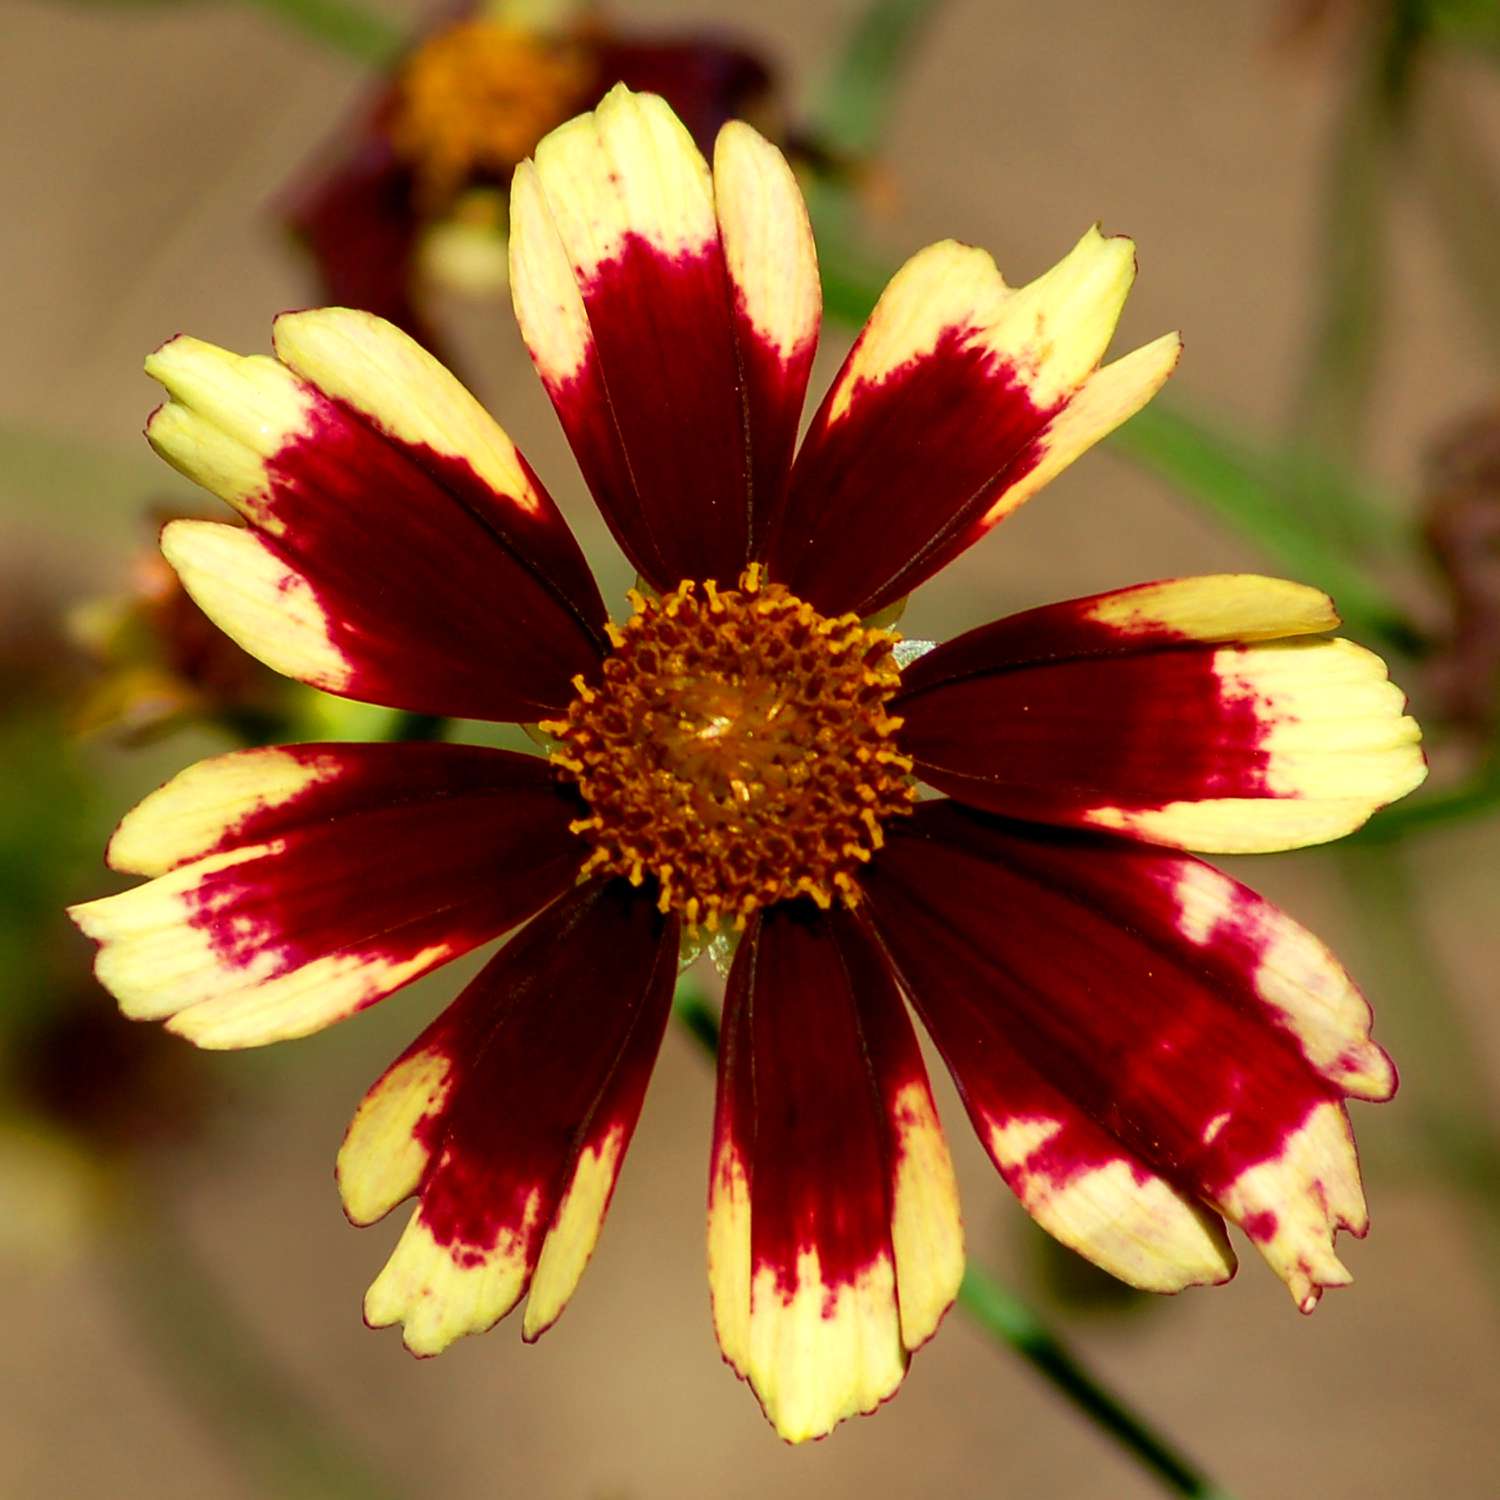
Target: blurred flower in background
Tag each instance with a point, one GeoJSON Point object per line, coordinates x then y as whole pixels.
{"type": "Point", "coordinates": [158, 662]}
{"type": "Point", "coordinates": [413, 194]}
{"type": "Point", "coordinates": [81, 1089]}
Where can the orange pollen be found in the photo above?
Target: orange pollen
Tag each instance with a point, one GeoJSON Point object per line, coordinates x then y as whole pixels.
{"type": "Point", "coordinates": [476, 97]}
{"type": "Point", "coordinates": [738, 749]}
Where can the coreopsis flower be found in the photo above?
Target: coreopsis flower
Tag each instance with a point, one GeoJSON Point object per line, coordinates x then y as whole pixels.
{"type": "Point", "coordinates": [415, 192]}
{"type": "Point", "coordinates": [1144, 1046]}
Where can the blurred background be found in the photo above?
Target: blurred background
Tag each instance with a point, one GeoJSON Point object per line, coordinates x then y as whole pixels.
{"type": "Point", "coordinates": [1314, 189]}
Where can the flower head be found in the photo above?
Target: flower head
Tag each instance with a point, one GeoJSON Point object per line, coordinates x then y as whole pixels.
{"type": "Point", "coordinates": [1144, 1046]}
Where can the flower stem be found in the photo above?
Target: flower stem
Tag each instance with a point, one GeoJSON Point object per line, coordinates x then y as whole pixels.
{"type": "Point", "coordinates": [342, 26]}
{"type": "Point", "coordinates": [857, 100]}
{"type": "Point", "coordinates": [1006, 1317]}
{"type": "Point", "coordinates": [1009, 1320]}
{"type": "Point", "coordinates": [1330, 412]}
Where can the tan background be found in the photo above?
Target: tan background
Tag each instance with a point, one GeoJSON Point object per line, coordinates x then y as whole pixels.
{"type": "Point", "coordinates": [138, 145]}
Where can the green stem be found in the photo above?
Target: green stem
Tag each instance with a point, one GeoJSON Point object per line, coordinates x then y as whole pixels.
{"type": "Point", "coordinates": [856, 102]}
{"type": "Point", "coordinates": [286, 1446]}
{"type": "Point", "coordinates": [697, 1017]}
{"type": "Point", "coordinates": [1464, 199]}
{"type": "Point", "coordinates": [414, 726]}
{"type": "Point", "coordinates": [1009, 1320]}
{"type": "Point", "coordinates": [342, 26]}
{"type": "Point", "coordinates": [1331, 410]}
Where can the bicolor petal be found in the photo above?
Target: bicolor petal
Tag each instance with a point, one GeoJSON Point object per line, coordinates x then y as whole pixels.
{"type": "Point", "coordinates": [407, 540]}
{"type": "Point", "coordinates": [672, 321]}
{"type": "Point", "coordinates": [510, 1117]}
{"type": "Point", "coordinates": [1201, 713]}
{"type": "Point", "coordinates": [961, 398]}
{"type": "Point", "coordinates": [835, 1244]}
{"type": "Point", "coordinates": [296, 886]}
{"type": "Point", "coordinates": [777, 304]}
{"type": "Point", "coordinates": [1142, 1043]}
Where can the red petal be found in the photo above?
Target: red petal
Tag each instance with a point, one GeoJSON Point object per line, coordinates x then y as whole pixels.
{"type": "Point", "coordinates": [960, 398]}
{"type": "Point", "coordinates": [679, 408]}
{"type": "Point", "coordinates": [545, 1061]}
{"type": "Point", "coordinates": [1164, 719]}
{"type": "Point", "coordinates": [1089, 1014]}
{"type": "Point", "coordinates": [298, 892]}
{"type": "Point", "coordinates": [423, 565]}
{"type": "Point", "coordinates": [814, 1221]}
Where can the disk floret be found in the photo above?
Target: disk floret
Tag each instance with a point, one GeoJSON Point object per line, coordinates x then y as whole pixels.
{"type": "Point", "coordinates": [475, 98]}
{"type": "Point", "coordinates": [737, 748]}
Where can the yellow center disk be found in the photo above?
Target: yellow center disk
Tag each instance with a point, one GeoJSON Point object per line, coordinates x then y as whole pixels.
{"type": "Point", "coordinates": [475, 98]}
{"type": "Point", "coordinates": [737, 748]}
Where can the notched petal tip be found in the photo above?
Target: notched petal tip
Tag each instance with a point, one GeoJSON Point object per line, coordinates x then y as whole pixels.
{"type": "Point", "coordinates": [1294, 1204]}
{"type": "Point", "coordinates": [1006, 388]}
{"type": "Point", "coordinates": [442, 1292]}
{"type": "Point", "coordinates": [1293, 977]}
{"type": "Point", "coordinates": [824, 1350]}
{"type": "Point", "coordinates": [511, 1116]}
